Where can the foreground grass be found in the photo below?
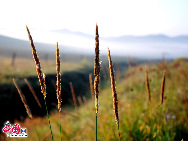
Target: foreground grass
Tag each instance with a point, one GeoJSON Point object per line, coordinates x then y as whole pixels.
{"type": "Point", "coordinates": [139, 119]}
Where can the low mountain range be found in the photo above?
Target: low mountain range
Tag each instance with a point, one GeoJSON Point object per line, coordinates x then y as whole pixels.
{"type": "Point", "coordinates": [141, 46]}
{"type": "Point", "coordinates": [129, 39]}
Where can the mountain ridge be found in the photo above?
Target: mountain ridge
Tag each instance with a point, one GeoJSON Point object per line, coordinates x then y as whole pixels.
{"type": "Point", "coordinates": [148, 38]}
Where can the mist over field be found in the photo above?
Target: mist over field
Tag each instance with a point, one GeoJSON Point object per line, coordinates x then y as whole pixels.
{"type": "Point", "coordinates": [150, 46]}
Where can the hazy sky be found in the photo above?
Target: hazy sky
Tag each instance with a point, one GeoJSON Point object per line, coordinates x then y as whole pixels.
{"type": "Point", "coordinates": [115, 18]}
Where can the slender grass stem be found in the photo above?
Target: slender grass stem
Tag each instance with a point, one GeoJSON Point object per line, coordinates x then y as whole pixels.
{"type": "Point", "coordinates": [48, 119]}
{"type": "Point", "coordinates": [97, 66]}
{"type": "Point", "coordinates": [60, 126]}
{"type": "Point", "coordinates": [119, 131]}
{"type": "Point", "coordinates": [96, 126]}
{"type": "Point", "coordinates": [35, 129]}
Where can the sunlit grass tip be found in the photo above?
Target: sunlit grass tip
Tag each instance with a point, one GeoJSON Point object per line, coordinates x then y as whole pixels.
{"type": "Point", "coordinates": [37, 63]}
{"type": "Point", "coordinates": [58, 82]}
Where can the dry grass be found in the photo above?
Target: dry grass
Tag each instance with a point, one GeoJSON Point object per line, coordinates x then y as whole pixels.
{"type": "Point", "coordinates": [85, 100]}
{"type": "Point", "coordinates": [147, 84]}
{"type": "Point", "coordinates": [41, 75]}
{"type": "Point", "coordinates": [96, 70]}
{"type": "Point", "coordinates": [58, 83]}
{"type": "Point", "coordinates": [73, 95]}
{"type": "Point", "coordinates": [80, 100]}
{"type": "Point", "coordinates": [163, 87]}
{"type": "Point", "coordinates": [33, 92]}
{"type": "Point", "coordinates": [23, 99]}
{"type": "Point", "coordinates": [113, 86]}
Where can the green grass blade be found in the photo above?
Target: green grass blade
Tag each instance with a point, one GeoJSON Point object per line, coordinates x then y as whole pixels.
{"type": "Point", "coordinates": [35, 129]}
{"type": "Point", "coordinates": [60, 126]}
{"type": "Point", "coordinates": [48, 119]}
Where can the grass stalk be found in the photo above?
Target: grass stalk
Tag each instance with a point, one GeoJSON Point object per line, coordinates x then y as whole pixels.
{"type": "Point", "coordinates": [147, 84]}
{"type": "Point", "coordinates": [80, 100]}
{"type": "Point", "coordinates": [41, 75]}
{"type": "Point", "coordinates": [85, 100]}
{"type": "Point", "coordinates": [114, 92]}
{"type": "Point", "coordinates": [26, 105]}
{"type": "Point", "coordinates": [119, 132]}
{"type": "Point", "coordinates": [96, 74]}
{"type": "Point", "coordinates": [58, 84]}
{"type": "Point", "coordinates": [162, 87]}
{"type": "Point", "coordinates": [23, 99]}
{"type": "Point", "coordinates": [96, 126]}
{"type": "Point", "coordinates": [33, 92]}
{"type": "Point", "coordinates": [73, 95]}
{"type": "Point", "coordinates": [35, 129]}
{"type": "Point", "coordinates": [48, 119]}
{"type": "Point", "coordinates": [60, 126]}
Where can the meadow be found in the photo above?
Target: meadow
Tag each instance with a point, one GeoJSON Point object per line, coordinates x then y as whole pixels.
{"type": "Point", "coordinates": [161, 116]}
{"type": "Point", "coordinates": [139, 118]}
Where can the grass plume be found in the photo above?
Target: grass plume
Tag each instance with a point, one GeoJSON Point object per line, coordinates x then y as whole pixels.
{"type": "Point", "coordinates": [41, 76]}
{"type": "Point", "coordinates": [73, 95]}
{"type": "Point", "coordinates": [113, 86]}
{"type": "Point", "coordinates": [147, 84]}
{"type": "Point", "coordinates": [25, 104]}
{"type": "Point", "coordinates": [33, 92]}
{"type": "Point", "coordinates": [96, 70]}
{"type": "Point", "coordinates": [162, 87]}
{"type": "Point", "coordinates": [58, 83]}
{"type": "Point", "coordinates": [96, 74]}
{"type": "Point", "coordinates": [37, 63]}
{"type": "Point", "coordinates": [23, 99]}
{"type": "Point", "coordinates": [114, 92]}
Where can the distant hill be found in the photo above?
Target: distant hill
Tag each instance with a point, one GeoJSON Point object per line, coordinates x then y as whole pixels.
{"type": "Point", "coordinates": [130, 39]}
{"type": "Point", "coordinates": [149, 39]}
{"type": "Point", "coordinates": [9, 45]}
{"type": "Point", "coordinates": [151, 46]}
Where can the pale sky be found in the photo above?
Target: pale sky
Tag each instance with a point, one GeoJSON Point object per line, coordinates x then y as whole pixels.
{"type": "Point", "coordinates": [114, 18]}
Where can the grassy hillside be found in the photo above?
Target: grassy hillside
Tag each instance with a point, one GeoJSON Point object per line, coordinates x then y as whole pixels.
{"type": "Point", "coordinates": [139, 119]}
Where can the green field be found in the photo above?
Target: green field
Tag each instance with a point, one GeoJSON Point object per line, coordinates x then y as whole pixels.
{"type": "Point", "coordinates": [25, 67]}
{"type": "Point", "coordinates": [139, 119]}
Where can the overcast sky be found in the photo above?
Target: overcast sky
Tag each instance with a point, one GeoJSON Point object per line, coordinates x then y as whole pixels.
{"type": "Point", "coordinates": [115, 18]}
